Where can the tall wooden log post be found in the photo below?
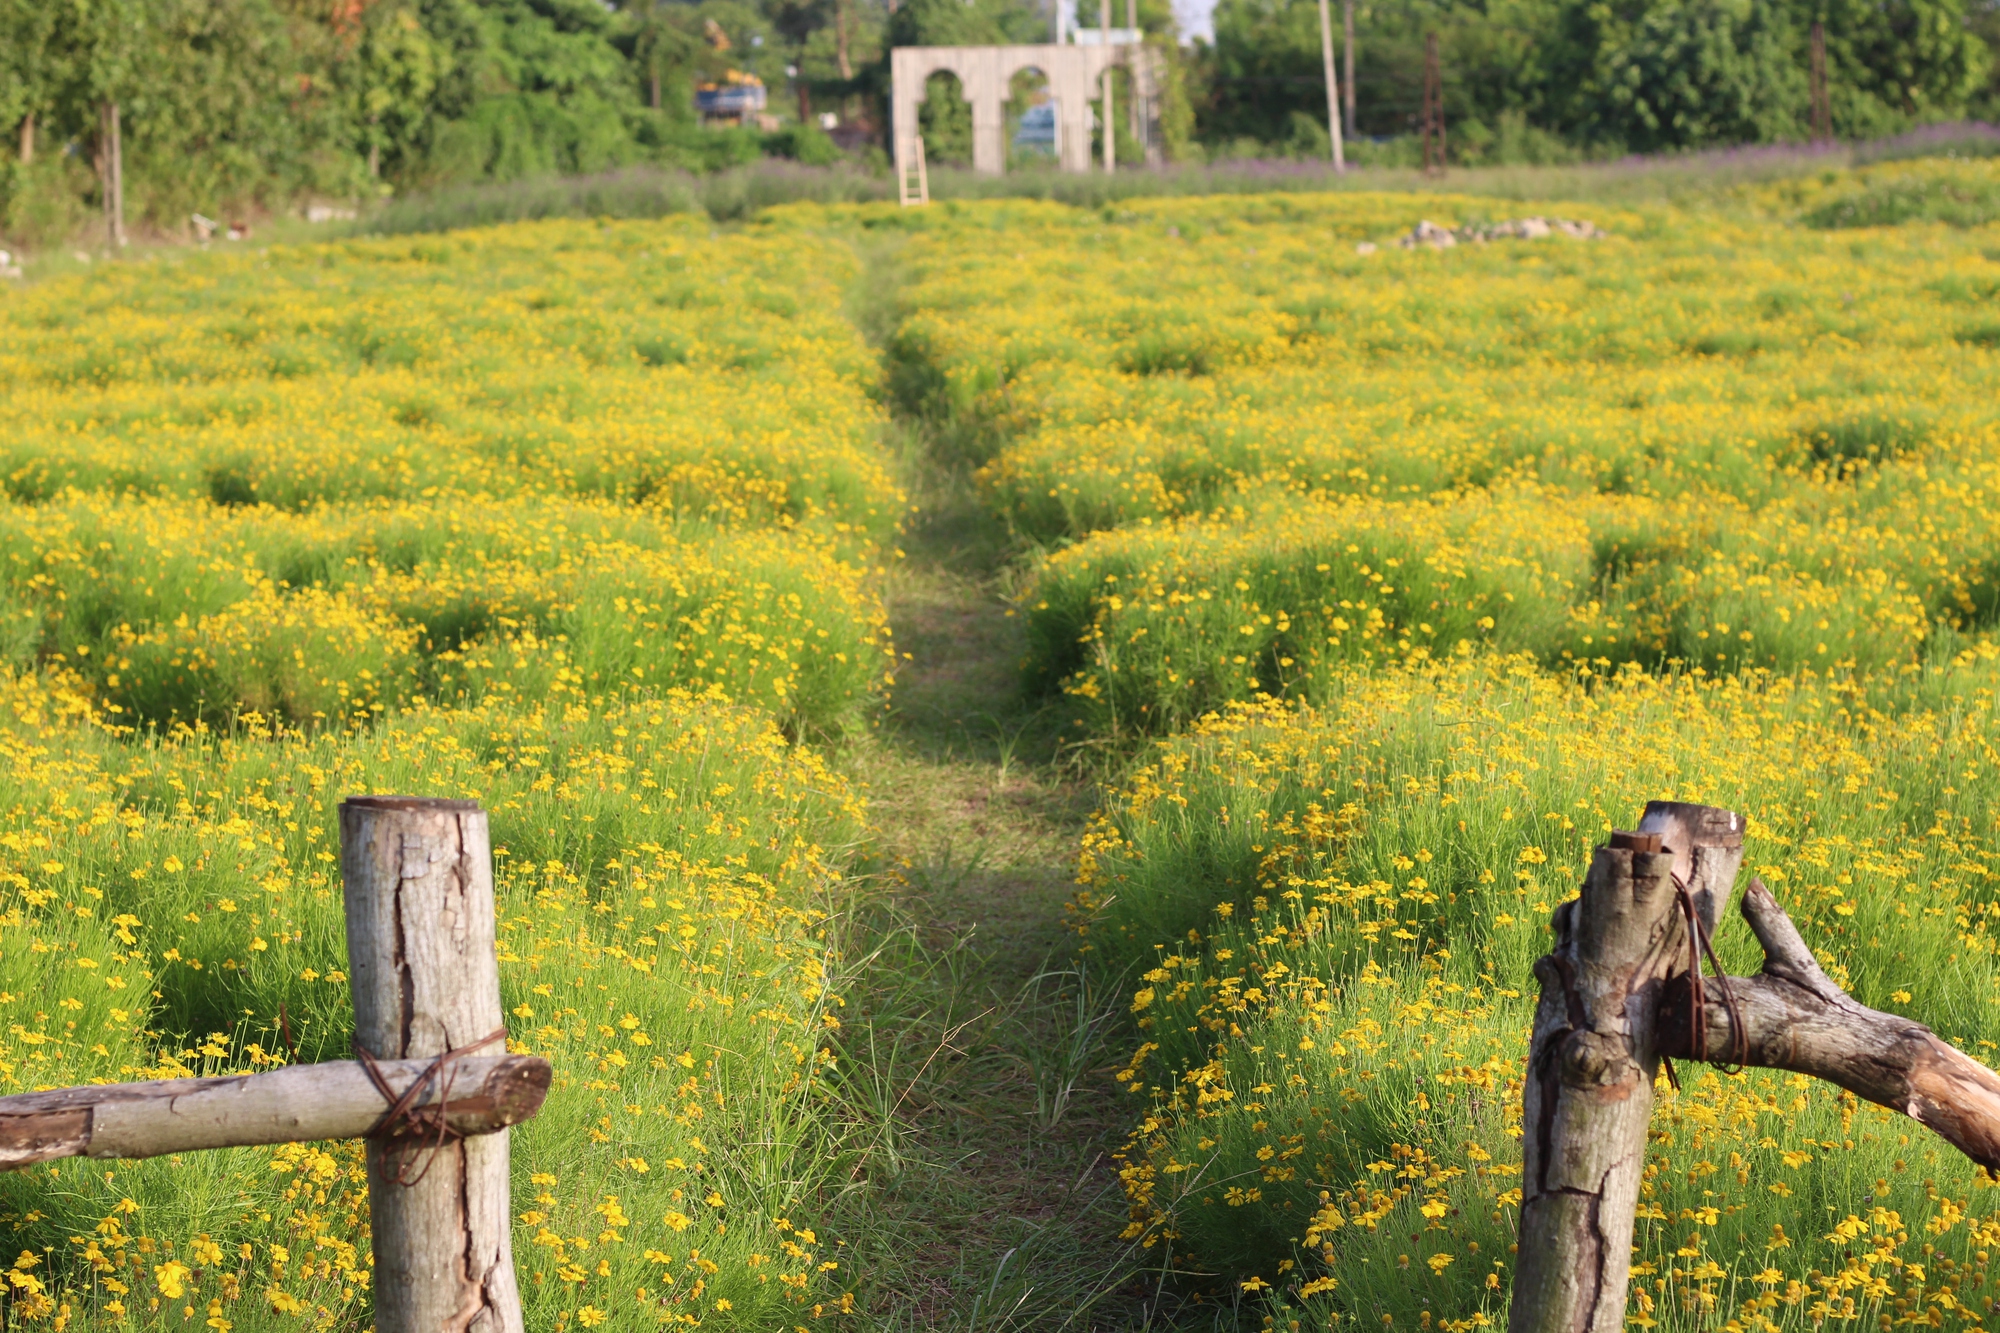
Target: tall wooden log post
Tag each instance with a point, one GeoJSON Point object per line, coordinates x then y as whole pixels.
{"type": "Point", "coordinates": [420, 946]}
{"type": "Point", "coordinates": [1593, 1056]}
{"type": "Point", "coordinates": [1617, 996]}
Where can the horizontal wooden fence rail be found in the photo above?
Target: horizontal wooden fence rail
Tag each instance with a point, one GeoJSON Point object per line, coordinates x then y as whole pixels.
{"type": "Point", "coordinates": [303, 1103]}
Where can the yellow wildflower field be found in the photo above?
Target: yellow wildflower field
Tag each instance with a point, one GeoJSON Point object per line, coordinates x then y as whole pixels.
{"type": "Point", "coordinates": [579, 521]}
{"type": "Point", "coordinates": [1393, 578]}
{"type": "Point", "coordinates": [1704, 439]}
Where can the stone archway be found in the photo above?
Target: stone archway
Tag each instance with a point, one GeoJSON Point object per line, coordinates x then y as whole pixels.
{"type": "Point", "coordinates": [985, 74]}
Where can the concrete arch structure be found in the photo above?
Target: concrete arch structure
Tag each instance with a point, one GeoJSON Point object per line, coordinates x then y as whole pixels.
{"type": "Point", "coordinates": [985, 74]}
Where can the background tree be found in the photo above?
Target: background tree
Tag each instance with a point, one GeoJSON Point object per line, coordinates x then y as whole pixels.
{"type": "Point", "coordinates": [389, 76]}
{"type": "Point", "coordinates": [1893, 63]}
{"type": "Point", "coordinates": [27, 28]}
{"type": "Point", "coordinates": [1540, 79]}
{"type": "Point", "coordinates": [1679, 74]}
{"type": "Point", "coordinates": [1261, 80]}
{"type": "Point", "coordinates": [245, 104]}
{"type": "Point", "coordinates": [1983, 22]}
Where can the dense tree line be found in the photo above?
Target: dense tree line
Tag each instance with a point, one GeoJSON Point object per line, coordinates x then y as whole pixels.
{"type": "Point", "coordinates": [1549, 78]}
{"type": "Point", "coordinates": [224, 104]}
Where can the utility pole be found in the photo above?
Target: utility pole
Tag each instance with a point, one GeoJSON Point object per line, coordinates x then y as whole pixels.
{"type": "Point", "coordinates": [1136, 113]}
{"type": "Point", "coordinates": [27, 138]}
{"type": "Point", "coordinates": [1110, 125]}
{"type": "Point", "coordinates": [1347, 56]}
{"type": "Point", "coordinates": [114, 175]}
{"type": "Point", "coordinates": [1332, 87]}
{"type": "Point", "coordinates": [1822, 110]}
{"type": "Point", "coordinates": [1432, 124]}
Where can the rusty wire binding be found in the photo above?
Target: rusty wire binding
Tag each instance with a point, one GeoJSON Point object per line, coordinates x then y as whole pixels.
{"type": "Point", "coordinates": [1739, 1038]}
{"type": "Point", "coordinates": [404, 1118]}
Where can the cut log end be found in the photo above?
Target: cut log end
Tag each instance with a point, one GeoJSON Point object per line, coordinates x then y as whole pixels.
{"type": "Point", "coordinates": [444, 804]}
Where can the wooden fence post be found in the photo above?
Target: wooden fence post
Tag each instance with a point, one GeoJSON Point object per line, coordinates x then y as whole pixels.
{"type": "Point", "coordinates": [418, 876]}
{"type": "Point", "coordinates": [1591, 1062]}
{"type": "Point", "coordinates": [1822, 109]}
{"type": "Point", "coordinates": [1631, 981]}
{"type": "Point", "coordinates": [114, 175]}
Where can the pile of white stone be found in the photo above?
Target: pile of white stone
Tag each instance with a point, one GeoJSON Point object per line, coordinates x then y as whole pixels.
{"type": "Point", "coordinates": [1428, 233]}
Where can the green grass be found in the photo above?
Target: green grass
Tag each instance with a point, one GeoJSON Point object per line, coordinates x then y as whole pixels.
{"type": "Point", "coordinates": [736, 193]}
{"type": "Point", "coordinates": [1891, 203]}
{"type": "Point", "coordinates": [974, 1064]}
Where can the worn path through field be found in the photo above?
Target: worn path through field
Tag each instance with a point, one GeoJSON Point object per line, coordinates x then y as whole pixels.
{"type": "Point", "coordinates": [987, 1198]}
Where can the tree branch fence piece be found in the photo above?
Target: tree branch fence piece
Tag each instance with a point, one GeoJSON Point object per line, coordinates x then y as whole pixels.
{"type": "Point", "coordinates": [418, 876]}
{"type": "Point", "coordinates": [1626, 987]}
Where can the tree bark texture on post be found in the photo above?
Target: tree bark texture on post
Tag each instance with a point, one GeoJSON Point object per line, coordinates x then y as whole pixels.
{"type": "Point", "coordinates": [1617, 995]}
{"type": "Point", "coordinates": [1431, 123]}
{"type": "Point", "coordinates": [418, 876]}
{"type": "Point", "coordinates": [1592, 1059]}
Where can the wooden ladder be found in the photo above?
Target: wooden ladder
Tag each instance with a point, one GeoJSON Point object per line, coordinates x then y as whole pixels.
{"type": "Point", "coordinates": [913, 182]}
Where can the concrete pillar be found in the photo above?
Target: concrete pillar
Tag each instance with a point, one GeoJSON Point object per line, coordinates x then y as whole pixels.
{"type": "Point", "coordinates": [1072, 91]}
{"type": "Point", "coordinates": [986, 89]}
{"type": "Point", "coordinates": [989, 137]}
{"type": "Point", "coordinates": [906, 89]}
